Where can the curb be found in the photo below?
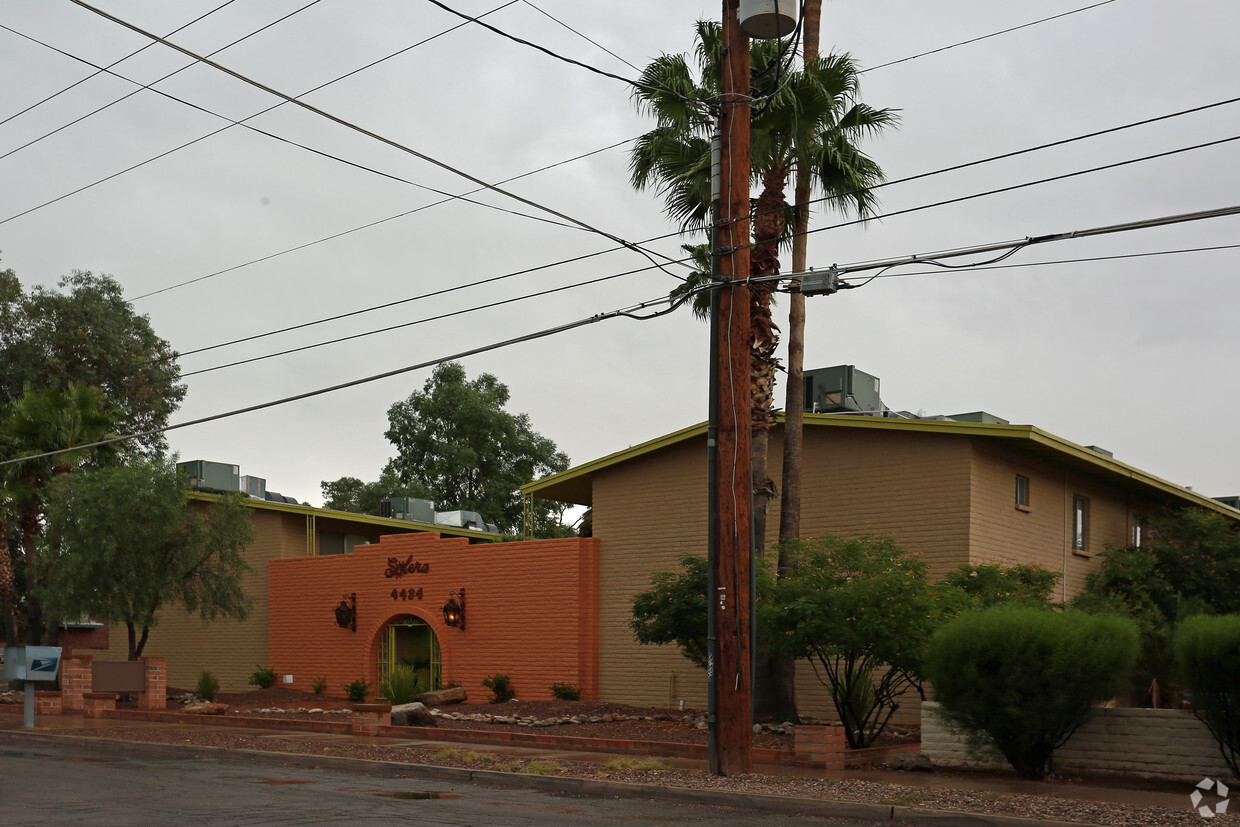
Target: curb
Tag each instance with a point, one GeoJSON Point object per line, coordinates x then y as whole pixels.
{"type": "Point", "coordinates": [554, 784]}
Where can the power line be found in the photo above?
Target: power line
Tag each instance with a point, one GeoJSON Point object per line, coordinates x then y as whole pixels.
{"type": "Point", "coordinates": [102, 70]}
{"type": "Point", "coordinates": [631, 311]}
{"type": "Point", "coordinates": [374, 223]}
{"type": "Point", "coordinates": [579, 34]}
{"type": "Point", "coordinates": [369, 133]}
{"type": "Point", "coordinates": [141, 86]}
{"type": "Point", "coordinates": [986, 36]}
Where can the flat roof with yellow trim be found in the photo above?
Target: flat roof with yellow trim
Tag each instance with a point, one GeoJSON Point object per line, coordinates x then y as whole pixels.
{"type": "Point", "coordinates": [361, 519]}
{"type": "Point", "coordinates": [575, 485]}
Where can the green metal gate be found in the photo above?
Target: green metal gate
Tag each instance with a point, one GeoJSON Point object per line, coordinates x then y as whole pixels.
{"type": "Point", "coordinates": [410, 641]}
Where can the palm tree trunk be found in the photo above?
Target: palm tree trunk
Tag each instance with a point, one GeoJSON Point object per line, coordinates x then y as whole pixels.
{"type": "Point", "coordinates": [8, 586]}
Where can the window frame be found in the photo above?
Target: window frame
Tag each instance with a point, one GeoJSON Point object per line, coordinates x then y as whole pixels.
{"type": "Point", "coordinates": [1080, 524]}
{"type": "Point", "coordinates": [1022, 492]}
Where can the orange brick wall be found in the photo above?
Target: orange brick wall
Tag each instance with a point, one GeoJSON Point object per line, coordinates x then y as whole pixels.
{"type": "Point", "coordinates": [529, 612]}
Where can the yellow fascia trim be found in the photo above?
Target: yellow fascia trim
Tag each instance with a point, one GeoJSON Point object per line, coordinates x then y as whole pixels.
{"type": "Point", "coordinates": [349, 516]}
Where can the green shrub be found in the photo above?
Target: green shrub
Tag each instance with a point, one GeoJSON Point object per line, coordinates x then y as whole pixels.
{"type": "Point", "coordinates": [565, 692]}
{"type": "Point", "coordinates": [1027, 677]}
{"type": "Point", "coordinates": [500, 686]}
{"type": "Point", "coordinates": [401, 686]}
{"type": "Point", "coordinates": [319, 685]}
{"type": "Point", "coordinates": [208, 685]}
{"type": "Point", "coordinates": [1207, 650]}
{"type": "Point", "coordinates": [357, 690]}
{"type": "Point", "coordinates": [264, 678]}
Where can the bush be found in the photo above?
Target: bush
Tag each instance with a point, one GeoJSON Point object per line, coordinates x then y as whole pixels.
{"type": "Point", "coordinates": [264, 678]}
{"type": "Point", "coordinates": [860, 609]}
{"type": "Point", "coordinates": [208, 685]}
{"type": "Point", "coordinates": [401, 686]}
{"type": "Point", "coordinates": [357, 690]}
{"type": "Point", "coordinates": [319, 685]}
{"type": "Point", "coordinates": [1027, 677]}
{"type": "Point", "coordinates": [565, 692]}
{"type": "Point", "coordinates": [1208, 653]}
{"type": "Point", "coordinates": [500, 686]}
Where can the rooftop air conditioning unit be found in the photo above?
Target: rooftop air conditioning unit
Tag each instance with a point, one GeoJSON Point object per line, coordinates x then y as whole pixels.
{"type": "Point", "coordinates": [407, 508]}
{"type": "Point", "coordinates": [462, 519]}
{"type": "Point", "coordinates": [841, 389]}
{"type": "Point", "coordinates": [255, 487]}
{"type": "Point", "coordinates": [211, 476]}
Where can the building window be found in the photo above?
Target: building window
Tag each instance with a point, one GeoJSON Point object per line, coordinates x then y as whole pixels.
{"type": "Point", "coordinates": [1138, 530]}
{"type": "Point", "coordinates": [1080, 522]}
{"type": "Point", "coordinates": [1022, 491]}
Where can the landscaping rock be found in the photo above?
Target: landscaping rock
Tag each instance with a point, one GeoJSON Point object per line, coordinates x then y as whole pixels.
{"type": "Point", "coordinates": [443, 697]}
{"type": "Point", "coordinates": [913, 761]}
{"type": "Point", "coordinates": [415, 714]}
{"type": "Point", "coordinates": [206, 709]}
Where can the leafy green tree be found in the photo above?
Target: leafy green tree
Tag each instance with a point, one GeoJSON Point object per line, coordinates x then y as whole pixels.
{"type": "Point", "coordinates": [37, 422]}
{"type": "Point", "coordinates": [860, 610]}
{"type": "Point", "coordinates": [673, 610]}
{"type": "Point", "coordinates": [87, 332]}
{"type": "Point", "coordinates": [1187, 564]}
{"type": "Point", "coordinates": [353, 495]}
{"type": "Point", "coordinates": [1193, 554]}
{"type": "Point", "coordinates": [984, 585]}
{"type": "Point", "coordinates": [127, 543]}
{"type": "Point", "coordinates": [456, 441]}
{"type": "Point", "coordinates": [1027, 676]}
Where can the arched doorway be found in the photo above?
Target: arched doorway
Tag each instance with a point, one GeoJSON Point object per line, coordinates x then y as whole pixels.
{"type": "Point", "coordinates": [410, 641]}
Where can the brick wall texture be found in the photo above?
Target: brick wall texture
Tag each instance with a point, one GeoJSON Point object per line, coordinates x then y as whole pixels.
{"type": "Point", "coordinates": [530, 612]}
{"type": "Point", "coordinates": [949, 498]}
{"type": "Point", "coordinates": [1167, 744]}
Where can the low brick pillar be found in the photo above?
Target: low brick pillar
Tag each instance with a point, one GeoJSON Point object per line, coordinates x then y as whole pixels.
{"type": "Point", "coordinates": [46, 701]}
{"type": "Point", "coordinates": [367, 718]}
{"type": "Point", "coordinates": [155, 696]}
{"type": "Point", "coordinates": [97, 704]}
{"type": "Point", "coordinates": [820, 747]}
{"type": "Point", "coordinates": [74, 682]}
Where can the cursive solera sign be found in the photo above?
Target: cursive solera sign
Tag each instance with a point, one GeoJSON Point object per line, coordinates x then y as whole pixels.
{"type": "Point", "coordinates": [399, 568]}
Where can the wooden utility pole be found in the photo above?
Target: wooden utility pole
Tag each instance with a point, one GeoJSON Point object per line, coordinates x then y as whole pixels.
{"type": "Point", "coordinates": [731, 563]}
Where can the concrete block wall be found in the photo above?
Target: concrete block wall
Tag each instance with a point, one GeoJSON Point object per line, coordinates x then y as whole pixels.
{"type": "Point", "coordinates": [1169, 744]}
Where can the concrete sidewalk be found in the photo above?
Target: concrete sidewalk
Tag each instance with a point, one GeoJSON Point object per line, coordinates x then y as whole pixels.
{"type": "Point", "coordinates": [73, 727]}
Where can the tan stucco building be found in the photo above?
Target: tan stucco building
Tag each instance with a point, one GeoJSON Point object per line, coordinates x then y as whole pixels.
{"type": "Point", "coordinates": [951, 492]}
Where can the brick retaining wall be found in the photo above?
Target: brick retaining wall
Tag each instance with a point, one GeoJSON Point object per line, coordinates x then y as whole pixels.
{"type": "Point", "coordinates": [1166, 744]}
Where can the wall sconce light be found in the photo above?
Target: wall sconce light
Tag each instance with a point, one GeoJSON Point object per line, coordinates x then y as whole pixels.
{"type": "Point", "coordinates": [346, 612]}
{"type": "Point", "coordinates": [454, 610]}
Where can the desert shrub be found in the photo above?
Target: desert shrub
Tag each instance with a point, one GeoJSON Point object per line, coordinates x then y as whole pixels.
{"type": "Point", "coordinates": [984, 585]}
{"type": "Point", "coordinates": [263, 678]}
{"type": "Point", "coordinates": [500, 686]}
{"type": "Point", "coordinates": [401, 686]}
{"type": "Point", "coordinates": [319, 685]}
{"type": "Point", "coordinates": [1027, 677]}
{"type": "Point", "coordinates": [208, 685]}
{"type": "Point", "coordinates": [1208, 653]}
{"type": "Point", "coordinates": [565, 692]}
{"type": "Point", "coordinates": [357, 690]}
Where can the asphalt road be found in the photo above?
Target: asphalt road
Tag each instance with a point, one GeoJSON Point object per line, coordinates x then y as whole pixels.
{"type": "Point", "coordinates": [63, 785]}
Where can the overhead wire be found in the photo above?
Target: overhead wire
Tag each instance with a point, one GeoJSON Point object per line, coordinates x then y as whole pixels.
{"type": "Point", "coordinates": [141, 86]}
{"type": "Point", "coordinates": [101, 70]}
{"type": "Point", "coordinates": [629, 311]}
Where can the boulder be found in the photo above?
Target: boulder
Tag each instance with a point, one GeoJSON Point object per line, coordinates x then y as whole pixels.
{"type": "Point", "coordinates": [913, 761]}
{"type": "Point", "coordinates": [206, 709]}
{"type": "Point", "coordinates": [443, 697]}
{"type": "Point", "coordinates": [415, 714]}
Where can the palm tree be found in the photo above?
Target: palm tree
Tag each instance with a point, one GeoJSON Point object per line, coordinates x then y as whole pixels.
{"type": "Point", "coordinates": [806, 121]}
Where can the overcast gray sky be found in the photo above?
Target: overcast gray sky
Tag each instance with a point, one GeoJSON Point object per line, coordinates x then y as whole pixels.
{"type": "Point", "coordinates": [1129, 353]}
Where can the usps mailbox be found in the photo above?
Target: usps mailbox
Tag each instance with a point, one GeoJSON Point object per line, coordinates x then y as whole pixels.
{"type": "Point", "coordinates": [31, 663]}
